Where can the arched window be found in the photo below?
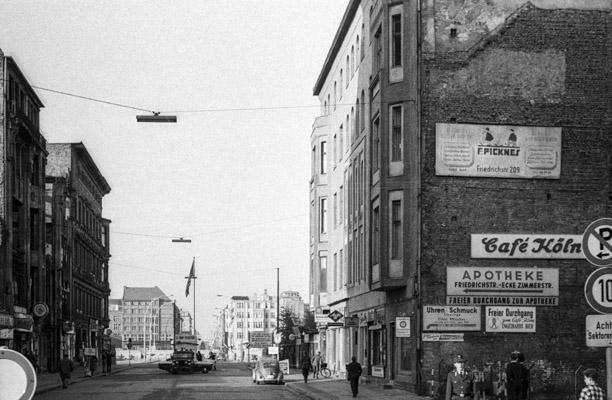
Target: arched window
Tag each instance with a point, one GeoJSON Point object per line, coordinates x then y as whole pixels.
{"type": "Point", "coordinates": [363, 40]}
{"type": "Point", "coordinates": [328, 103]}
{"type": "Point", "coordinates": [348, 66]}
{"type": "Point", "coordinates": [325, 107]}
{"type": "Point", "coordinates": [335, 95]}
{"type": "Point", "coordinates": [362, 113]}
{"type": "Point", "coordinates": [340, 88]}
{"type": "Point", "coordinates": [358, 59]}
{"type": "Point", "coordinates": [358, 116]}
{"type": "Point", "coordinates": [348, 130]}
{"type": "Point", "coordinates": [352, 60]}
{"type": "Point", "coordinates": [353, 125]}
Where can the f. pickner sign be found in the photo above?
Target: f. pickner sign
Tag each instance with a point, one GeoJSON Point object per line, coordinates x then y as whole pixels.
{"type": "Point", "coordinates": [502, 286]}
{"type": "Point", "coordinates": [496, 245]}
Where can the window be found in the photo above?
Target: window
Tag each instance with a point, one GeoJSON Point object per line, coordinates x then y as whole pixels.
{"type": "Point", "coordinates": [323, 215]}
{"type": "Point", "coordinates": [335, 209]}
{"type": "Point", "coordinates": [396, 229]}
{"type": "Point", "coordinates": [396, 133]}
{"type": "Point", "coordinates": [354, 132]}
{"type": "Point", "coordinates": [314, 160]}
{"type": "Point", "coordinates": [335, 272]}
{"type": "Point", "coordinates": [323, 157]}
{"type": "Point", "coordinates": [335, 157]}
{"type": "Point", "coordinates": [396, 40]}
{"type": "Point", "coordinates": [358, 117]}
{"type": "Point", "coordinates": [323, 274]}
{"type": "Point", "coordinates": [376, 236]}
{"type": "Point", "coordinates": [340, 144]}
{"type": "Point", "coordinates": [363, 39]}
{"type": "Point", "coordinates": [341, 206]}
{"type": "Point", "coordinates": [358, 59]}
{"type": "Point", "coordinates": [352, 60]}
{"type": "Point", "coordinates": [328, 103]}
{"type": "Point", "coordinates": [376, 145]}
{"type": "Point", "coordinates": [335, 95]}
{"type": "Point", "coordinates": [362, 112]}
{"type": "Point", "coordinates": [341, 271]}
{"type": "Point", "coordinates": [340, 86]}
{"type": "Point", "coordinates": [348, 131]}
{"type": "Point", "coordinates": [348, 69]}
{"type": "Point", "coordinates": [378, 61]}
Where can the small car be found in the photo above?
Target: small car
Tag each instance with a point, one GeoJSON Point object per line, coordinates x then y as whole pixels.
{"type": "Point", "coordinates": [267, 370]}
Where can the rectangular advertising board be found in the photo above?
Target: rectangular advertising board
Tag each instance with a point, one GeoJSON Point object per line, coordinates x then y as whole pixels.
{"type": "Point", "coordinates": [260, 339]}
{"type": "Point", "coordinates": [599, 330]}
{"type": "Point", "coordinates": [441, 337]}
{"type": "Point", "coordinates": [499, 245]}
{"type": "Point", "coordinates": [451, 318]}
{"type": "Point", "coordinates": [498, 151]}
{"type": "Point", "coordinates": [510, 319]}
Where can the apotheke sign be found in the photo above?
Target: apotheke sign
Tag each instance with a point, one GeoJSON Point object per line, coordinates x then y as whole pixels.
{"type": "Point", "coordinates": [496, 245]}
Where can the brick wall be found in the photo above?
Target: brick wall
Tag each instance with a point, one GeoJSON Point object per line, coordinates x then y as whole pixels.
{"type": "Point", "coordinates": [564, 56]}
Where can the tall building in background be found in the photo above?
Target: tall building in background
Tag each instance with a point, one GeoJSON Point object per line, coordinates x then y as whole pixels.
{"type": "Point", "coordinates": [23, 276]}
{"type": "Point", "coordinates": [291, 300]}
{"type": "Point", "coordinates": [249, 325]}
{"type": "Point", "coordinates": [448, 131]}
{"type": "Point", "coordinates": [77, 246]}
{"type": "Point", "coordinates": [149, 318]}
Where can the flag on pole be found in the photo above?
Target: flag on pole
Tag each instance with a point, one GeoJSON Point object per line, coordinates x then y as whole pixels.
{"type": "Point", "coordinates": [190, 277]}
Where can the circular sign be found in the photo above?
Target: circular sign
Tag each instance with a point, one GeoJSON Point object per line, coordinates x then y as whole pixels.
{"type": "Point", "coordinates": [40, 310]}
{"type": "Point", "coordinates": [291, 336]}
{"type": "Point", "coordinates": [598, 290]}
{"type": "Point", "coordinates": [597, 242]}
{"type": "Point", "coordinates": [17, 376]}
{"type": "Point", "coordinates": [403, 324]}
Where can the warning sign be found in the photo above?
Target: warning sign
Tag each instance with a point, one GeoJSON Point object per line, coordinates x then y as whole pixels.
{"type": "Point", "coordinates": [597, 242]}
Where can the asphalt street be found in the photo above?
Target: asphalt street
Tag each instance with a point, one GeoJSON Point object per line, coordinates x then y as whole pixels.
{"type": "Point", "coordinates": [147, 382]}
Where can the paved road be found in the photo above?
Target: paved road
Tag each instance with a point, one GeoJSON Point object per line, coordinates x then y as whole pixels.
{"type": "Point", "coordinates": [147, 382]}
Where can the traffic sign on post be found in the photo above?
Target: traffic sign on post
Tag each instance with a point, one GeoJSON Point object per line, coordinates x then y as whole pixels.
{"type": "Point", "coordinates": [597, 242]}
{"type": "Point", "coordinates": [598, 290]}
{"type": "Point", "coordinates": [18, 376]}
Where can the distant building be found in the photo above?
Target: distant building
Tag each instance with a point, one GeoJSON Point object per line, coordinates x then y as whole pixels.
{"type": "Point", "coordinates": [77, 247]}
{"type": "Point", "coordinates": [115, 317]}
{"type": "Point", "coordinates": [24, 280]}
{"type": "Point", "coordinates": [244, 315]}
{"type": "Point", "coordinates": [292, 300]}
{"type": "Point", "coordinates": [149, 318]}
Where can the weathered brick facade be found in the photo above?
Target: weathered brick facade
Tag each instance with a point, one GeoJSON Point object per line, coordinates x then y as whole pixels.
{"type": "Point", "coordinates": [542, 67]}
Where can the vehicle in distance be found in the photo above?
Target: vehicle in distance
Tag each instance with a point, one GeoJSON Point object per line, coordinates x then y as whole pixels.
{"type": "Point", "coordinates": [184, 361]}
{"type": "Point", "coordinates": [267, 370]}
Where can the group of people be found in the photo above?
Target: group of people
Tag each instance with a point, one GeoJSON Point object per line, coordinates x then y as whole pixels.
{"type": "Point", "coordinates": [353, 370]}
{"type": "Point", "coordinates": [460, 383]}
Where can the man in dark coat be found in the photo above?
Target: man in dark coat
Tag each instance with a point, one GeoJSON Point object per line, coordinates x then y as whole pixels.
{"type": "Point", "coordinates": [353, 372]}
{"type": "Point", "coordinates": [306, 367]}
{"type": "Point", "coordinates": [517, 377]}
{"type": "Point", "coordinates": [65, 368]}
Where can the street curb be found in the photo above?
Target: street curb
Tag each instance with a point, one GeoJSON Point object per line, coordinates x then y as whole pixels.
{"type": "Point", "coordinates": [311, 393]}
{"type": "Point", "coordinates": [49, 387]}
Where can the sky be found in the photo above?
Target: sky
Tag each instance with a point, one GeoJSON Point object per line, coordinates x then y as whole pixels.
{"type": "Point", "coordinates": [231, 175]}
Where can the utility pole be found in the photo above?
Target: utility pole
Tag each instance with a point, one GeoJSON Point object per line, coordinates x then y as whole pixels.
{"type": "Point", "coordinates": [277, 300]}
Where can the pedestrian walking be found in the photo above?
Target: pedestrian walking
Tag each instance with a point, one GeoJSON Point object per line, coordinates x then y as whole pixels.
{"type": "Point", "coordinates": [306, 367]}
{"type": "Point", "coordinates": [316, 365]}
{"type": "Point", "coordinates": [66, 366]}
{"type": "Point", "coordinates": [591, 391]}
{"type": "Point", "coordinates": [517, 378]}
{"type": "Point", "coordinates": [459, 382]}
{"type": "Point", "coordinates": [353, 372]}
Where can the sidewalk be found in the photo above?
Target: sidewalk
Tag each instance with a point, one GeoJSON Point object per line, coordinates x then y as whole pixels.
{"type": "Point", "coordinates": [332, 389]}
{"type": "Point", "coordinates": [47, 381]}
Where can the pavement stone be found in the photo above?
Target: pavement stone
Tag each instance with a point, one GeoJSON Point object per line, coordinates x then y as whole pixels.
{"type": "Point", "coordinates": [334, 389]}
{"type": "Point", "coordinates": [47, 381]}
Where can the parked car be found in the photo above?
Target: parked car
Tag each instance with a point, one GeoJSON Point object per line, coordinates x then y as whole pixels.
{"type": "Point", "coordinates": [185, 361]}
{"type": "Point", "coordinates": [267, 370]}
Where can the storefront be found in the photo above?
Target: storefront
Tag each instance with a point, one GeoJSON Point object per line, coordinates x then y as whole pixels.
{"type": "Point", "coordinates": [24, 324]}
{"type": "Point", "coordinates": [7, 328]}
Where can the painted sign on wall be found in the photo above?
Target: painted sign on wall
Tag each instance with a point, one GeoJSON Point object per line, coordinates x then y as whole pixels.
{"type": "Point", "coordinates": [497, 286]}
{"type": "Point", "coordinates": [498, 151]}
{"type": "Point", "coordinates": [510, 319]}
{"type": "Point", "coordinates": [497, 245]}
{"type": "Point", "coordinates": [442, 337]}
{"type": "Point", "coordinates": [451, 318]}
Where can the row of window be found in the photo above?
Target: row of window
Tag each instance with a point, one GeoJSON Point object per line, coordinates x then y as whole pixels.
{"type": "Point", "coordinates": [20, 101]}
{"type": "Point", "coordinates": [353, 59]}
{"type": "Point", "coordinates": [256, 314]}
{"type": "Point", "coordinates": [87, 261]}
{"type": "Point", "coordinates": [86, 217]}
{"type": "Point", "coordinates": [88, 303]}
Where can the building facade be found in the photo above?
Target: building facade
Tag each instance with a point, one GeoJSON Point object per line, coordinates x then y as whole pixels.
{"type": "Point", "coordinates": [291, 300]}
{"type": "Point", "coordinates": [247, 317]}
{"type": "Point", "coordinates": [23, 274]}
{"type": "Point", "coordinates": [77, 246]}
{"type": "Point", "coordinates": [150, 320]}
{"type": "Point", "coordinates": [485, 123]}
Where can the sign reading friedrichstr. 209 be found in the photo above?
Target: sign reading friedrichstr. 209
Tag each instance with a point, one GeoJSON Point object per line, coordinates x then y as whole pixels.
{"type": "Point", "coordinates": [502, 286]}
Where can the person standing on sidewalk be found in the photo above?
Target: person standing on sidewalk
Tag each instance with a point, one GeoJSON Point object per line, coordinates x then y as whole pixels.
{"type": "Point", "coordinates": [66, 366]}
{"type": "Point", "coordinates": [353, 372]}
{"type": "Point", "coordinates": [591, 391]}
{"type": "Point", "coordinates": [517, 376]}
{"type": "Point", "coordinates": [316, 365]}
{"type": "Point", "coordinates": [306, 366]}
{"type": "Point", "coordinates": [459, 383]}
